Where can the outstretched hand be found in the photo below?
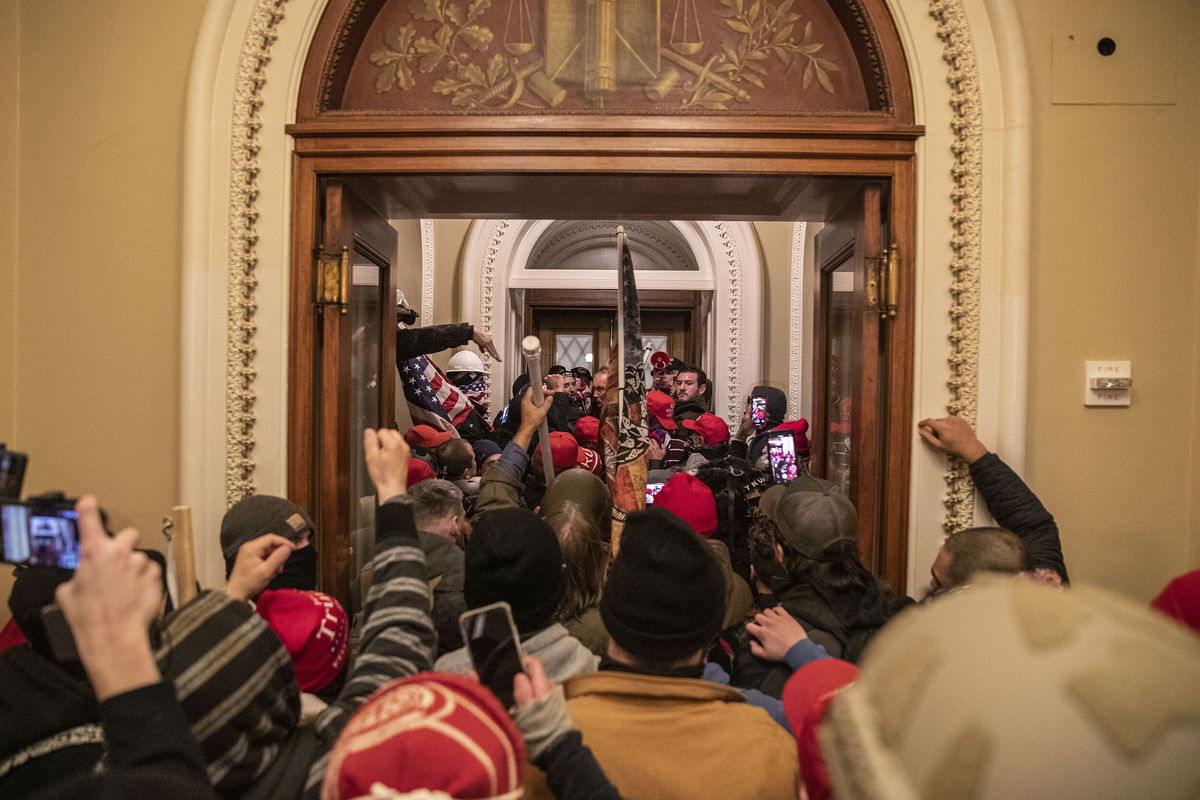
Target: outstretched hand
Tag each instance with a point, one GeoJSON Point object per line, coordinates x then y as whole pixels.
{"type": "Point", "coordinates": [386, 454]}
{"type": "Point", "coordinates": [109, 603]}
{"type": "Point", "coordinates": [259, 561]}
{"type": "Point", "coordinates": [485, 343]}
{"type": "Point", "coordinates": [952, 435]}
{"type": "Point", "coordinates": [773, 632]}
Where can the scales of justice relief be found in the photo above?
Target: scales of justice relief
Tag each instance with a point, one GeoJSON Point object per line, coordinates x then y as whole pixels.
{"type": "Point", "coordinates": [600, 54]}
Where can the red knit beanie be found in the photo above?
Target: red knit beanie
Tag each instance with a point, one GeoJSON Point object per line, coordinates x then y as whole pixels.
{"type": "Point", "coordinates": [806, 697]}
{"type": "Point", "coordinates": [587, 430]}
{"type": "Point", "coordinates": [688, 498]}
{"type": "Point", "coordinates": [314, 630]}
{"type": "Point", "coordinates": [429, 731]}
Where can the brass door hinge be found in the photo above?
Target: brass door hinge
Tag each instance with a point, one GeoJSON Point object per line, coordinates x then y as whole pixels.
{"type": "Point", "coordinates": [883, 288]}
{"type": "Point", "coordinates": [333, 280]}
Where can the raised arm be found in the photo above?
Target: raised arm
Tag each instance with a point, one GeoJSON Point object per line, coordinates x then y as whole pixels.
{"type": "Point", "coordinates": [503, 481]}
{"type": "Point", "coordinates": [397, 633]}
{"type": "Point", "coordinates": [1008, 498]}
{"type": "Point", "coordinates": [109, 605]}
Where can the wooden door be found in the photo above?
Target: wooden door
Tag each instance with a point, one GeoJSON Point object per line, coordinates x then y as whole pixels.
{"type": "Point", "coordinates": [848, 446]}
{"type": "Point", "coordinates": [670, 321]}
{"type": "Point", "coordinates": [355, 385]}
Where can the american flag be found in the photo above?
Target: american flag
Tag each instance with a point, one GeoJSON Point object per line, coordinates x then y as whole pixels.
{"type": "Point", "coordinates": [432, 398]}
{"type": "Point", "coordinates": [477, 392]}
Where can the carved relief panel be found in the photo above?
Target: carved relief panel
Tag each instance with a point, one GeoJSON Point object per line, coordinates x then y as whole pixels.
{"type": "Point", "coordinates": [653, 57]}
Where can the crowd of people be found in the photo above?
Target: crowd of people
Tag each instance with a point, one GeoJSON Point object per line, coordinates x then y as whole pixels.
{"type": "Point", "coordinates": [726, 641]}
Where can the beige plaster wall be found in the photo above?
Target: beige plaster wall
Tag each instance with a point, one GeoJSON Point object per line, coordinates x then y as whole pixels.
{"type": "Point", "coordinates": [1114, 276]}
{"type": "Point", "coordinates": [98, 124]}
{"type": "Point", "coordinates": [10, 130]}
{"type": "Point", "coordinates": [775, 240]}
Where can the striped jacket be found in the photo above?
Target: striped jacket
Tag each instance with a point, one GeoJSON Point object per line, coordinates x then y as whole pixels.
{"type": "Point", "coordinates": [397, 634]}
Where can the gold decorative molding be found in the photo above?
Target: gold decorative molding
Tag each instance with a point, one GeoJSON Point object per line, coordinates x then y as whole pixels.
{"type": "Point", "coordinates": [733, 263]}
{"type": "Point", "coordinates": [240, 331]}
{"type": "Point", "coordinates": [966, 101]}
{"type": "Point", "coordinates": [796, 319]}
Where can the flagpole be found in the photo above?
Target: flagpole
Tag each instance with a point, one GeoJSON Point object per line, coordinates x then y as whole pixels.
{"type": "Point", "coordinates": [531, 346]}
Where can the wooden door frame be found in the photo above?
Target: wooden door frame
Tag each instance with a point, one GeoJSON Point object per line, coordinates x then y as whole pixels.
{"type": "Point", "coordinates": [321, 151]}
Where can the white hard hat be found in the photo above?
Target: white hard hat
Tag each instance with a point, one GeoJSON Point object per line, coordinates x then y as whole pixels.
{"type": "Point", "coordinates": [465, 361]}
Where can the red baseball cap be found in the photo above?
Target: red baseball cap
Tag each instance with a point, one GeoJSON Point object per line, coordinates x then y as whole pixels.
{"type": "Point", "coordinates": [662, 407]}
{"type": "Point", "coordinates": [688, 498]}
{"type": "Point", "coordinates": [710, 426]}
{"type": "Point", "coordinates": [426, 436]}
{"type": "Point", "coordinates": [587, 430]}
{"type": "Point", "coordinates": [660, 360]}
{"type": "Point", "coordinates": [314, 630]}
{"type": "Point", "coordinates": [564, 450]}
{"type": "Point", "coordinates": [590, 460]}
{"type": "Point", "coordinates": [418, 471]}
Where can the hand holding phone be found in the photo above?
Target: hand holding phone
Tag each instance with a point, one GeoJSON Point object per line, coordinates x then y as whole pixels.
{"type": "Point", "coordinates": [494, 647]}
{"type": "Point", "coordinates": [758, 411]}
{"type": "Point", "coordinates": [781, 452]}
{"type": "Point", "coordinates": [39, 535]}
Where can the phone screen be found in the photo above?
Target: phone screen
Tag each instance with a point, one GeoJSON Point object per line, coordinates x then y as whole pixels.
{"type": "Point", "coordinates": [495, 650]}
{"type": "Point", "coordinates": [44, 537]}
{"type": "Point", "coordinates": [781, 451]}
{"type": "Point", "coordinates": [652, 490]}
{"type": "Point", "coordinates": [758, 411]}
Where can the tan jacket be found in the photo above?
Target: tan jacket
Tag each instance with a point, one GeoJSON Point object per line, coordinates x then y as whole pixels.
{"type": "Point", "coordinates": [662, 738]}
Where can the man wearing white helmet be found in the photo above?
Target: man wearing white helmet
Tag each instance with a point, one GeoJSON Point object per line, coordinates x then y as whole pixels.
{"type": "Point", "coordinates": [412, 348]}
{"type": "Point", "coordinates": [466, 371]}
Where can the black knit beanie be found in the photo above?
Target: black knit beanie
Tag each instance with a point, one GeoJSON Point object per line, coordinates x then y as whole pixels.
{"type": "Point", "coordinates": [776, 403]}
{"type": "Point", "coordinates": [665, 596]}
{"type": "Point", "coordinates": [512, 555]}
{"type": "Point", "coordinates": [257, 515]}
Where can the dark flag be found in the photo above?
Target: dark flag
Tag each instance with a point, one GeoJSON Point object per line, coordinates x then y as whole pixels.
{"type": "Point", "coordinates": [623, 429]}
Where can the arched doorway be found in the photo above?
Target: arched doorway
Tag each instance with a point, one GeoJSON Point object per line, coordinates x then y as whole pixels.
{"type": "Point", "coordinates": [641, 127]}
{"type": "Point", "coordinates": [238, 178]}
{"type": "Point", "coordinates": [502, 256]}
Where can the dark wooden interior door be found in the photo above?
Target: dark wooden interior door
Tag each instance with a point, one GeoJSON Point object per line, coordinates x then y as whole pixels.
{"type": "Point", "coordinates": [848, 447]}
{"type": "Point", "coordinates": [592, 315]}
{"type": "Point", "coordinates": [355, 387]}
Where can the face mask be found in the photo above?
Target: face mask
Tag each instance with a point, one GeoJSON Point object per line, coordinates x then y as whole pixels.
{"type": "Point", "coordinates": [773, 574]}
{"type": "Point", "coordinates": [299, 571]}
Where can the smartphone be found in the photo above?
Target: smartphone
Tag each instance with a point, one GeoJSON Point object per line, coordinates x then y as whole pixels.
{"type": "Point", "coordinates": [781, 452]}
{"type": "Point", "coordinates": [494, 646]}
{"type": "Point", "coordinates": [758, 411]}
{"type": "Point", "coordinates": [652, 490]}
{"type": "Point", "coordinates": [12, 474]}
{"type": "Point", "coordinates": [39, 536]}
